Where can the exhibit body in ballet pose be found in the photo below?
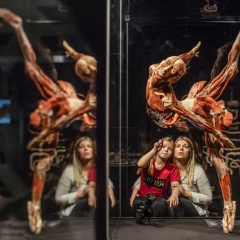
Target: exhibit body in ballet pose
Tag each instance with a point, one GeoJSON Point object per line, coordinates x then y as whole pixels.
{"type": "Point", "coordinates": [59, 107]}
{"type": "Point", "coordinates": [201, 107]}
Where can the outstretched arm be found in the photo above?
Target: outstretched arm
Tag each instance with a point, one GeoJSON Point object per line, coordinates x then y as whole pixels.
{"type": "Point", "coordinates": [44, 84]}
{"type": "Point", "coordinates": [145, 159]}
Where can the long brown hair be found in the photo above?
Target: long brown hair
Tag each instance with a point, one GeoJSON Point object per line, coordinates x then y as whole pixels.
{"type": "Point", "coordinates": [77, 162]}
{"type": "Point", "coordinates": [150, 166]}
{"type": "Point", "coordinates": [191, 160]}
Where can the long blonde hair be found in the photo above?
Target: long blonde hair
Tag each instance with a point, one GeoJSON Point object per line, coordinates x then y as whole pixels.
{"type": "Point", "coordinates": [77, 162]}
{"type": "Point", "coordinates": [191, 160]}
{"type": "Point", "coordinates": [150, 166]}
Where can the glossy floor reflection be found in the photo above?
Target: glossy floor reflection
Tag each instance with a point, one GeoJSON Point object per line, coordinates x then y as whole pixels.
{"type": "Point", "coordinates": [179, 229]}
{"type": "Point", "coordinates": [120, 229]}
{"type": "Point", "coordinates": [54, 230]}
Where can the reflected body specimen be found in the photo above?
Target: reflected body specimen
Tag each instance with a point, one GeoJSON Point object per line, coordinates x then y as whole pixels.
{"type": "Point", "coordinates": [201, 107]}
{"type": "Point", "coordinates": [59, 107]}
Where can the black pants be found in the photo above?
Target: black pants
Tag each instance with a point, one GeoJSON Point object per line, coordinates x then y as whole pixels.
{"type": "Point", "coordinates": [82, 209]}
{"type": "Point", "coordinates": [185, 208]}
{"type": "Point", "coordinates": [159, 207]}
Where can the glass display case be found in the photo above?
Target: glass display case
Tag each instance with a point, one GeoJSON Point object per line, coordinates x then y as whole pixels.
{"type": "Point", "coordinates": [146, 33]}
{"type": "Point", "coordinates": [88, 88]}
{"type": "Point", "coordinates": [50, 52]}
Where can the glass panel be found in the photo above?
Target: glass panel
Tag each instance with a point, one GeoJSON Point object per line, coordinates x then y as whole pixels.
{"type": "Point", "coordinates": [150, 42]}
{"type": "Point", "coordinates": [48, 115]}
{"type": "Point", "coordinates": [151, 32]}
{"type": "Point", "coordinates": [116, 146]}
{"type": "Point", "coordinates": [188, 10]}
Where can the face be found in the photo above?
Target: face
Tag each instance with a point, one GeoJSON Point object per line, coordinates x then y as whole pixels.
{"type": "Point", "coordinates": [182, 150]}
{"type": "Point", "coordinates": [166, 150]}
{"type": "Point", "coordinates": [171, 69]}
{"type": "Point", "coordinates": [86, 68]}
{"type": "Point", "coordinates": [85, 150]}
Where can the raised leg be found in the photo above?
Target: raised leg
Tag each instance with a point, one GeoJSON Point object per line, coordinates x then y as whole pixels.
{"type": "Point", "coordinates": [45, 85]}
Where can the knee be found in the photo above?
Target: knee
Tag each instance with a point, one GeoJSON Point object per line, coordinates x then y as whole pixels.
{"type": "Point", "coordinates": [182, 200]}
{"type": "Point", "coordinates": [160, 202]}
{"type": "Point", "coordinates": [159, 208]}
{"type": "Point", "coordinates": [138, 201]}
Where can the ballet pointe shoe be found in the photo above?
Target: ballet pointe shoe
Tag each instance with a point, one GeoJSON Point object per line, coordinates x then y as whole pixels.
{"type": "Point", "coordinates": [229, 212]}
{"type": "Point", "coordinates": [34, 217]}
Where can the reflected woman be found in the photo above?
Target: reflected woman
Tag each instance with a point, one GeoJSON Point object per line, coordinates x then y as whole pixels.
{"type": "Point", "coordinates": [72, 189]}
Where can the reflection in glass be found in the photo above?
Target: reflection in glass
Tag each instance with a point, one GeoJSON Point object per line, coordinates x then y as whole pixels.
{"type": "Point", "coordinates": [72, 189]}
{"type": "Point", "coordinates": [57, 112]}
{"type": "Point", "coordinates": [5, 117]}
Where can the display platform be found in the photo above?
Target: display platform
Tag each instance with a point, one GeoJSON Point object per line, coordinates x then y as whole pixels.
{"type": "Point", "coordinates": [119, 229]}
